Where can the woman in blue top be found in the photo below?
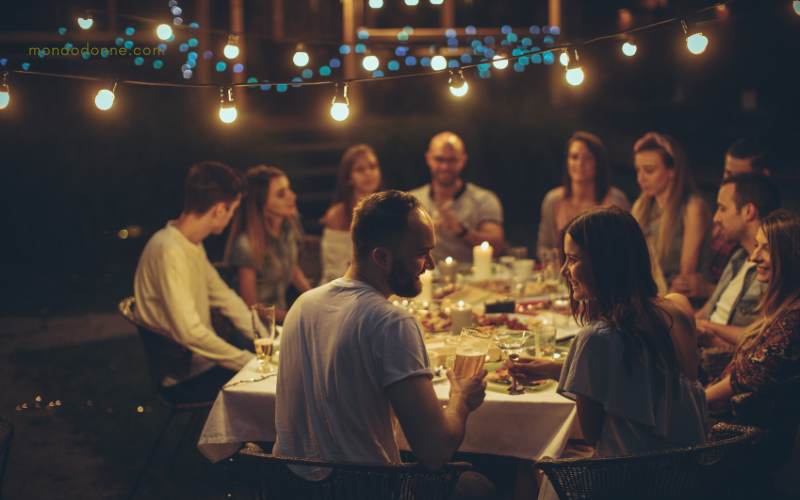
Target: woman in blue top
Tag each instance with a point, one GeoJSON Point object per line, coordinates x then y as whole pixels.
{"type": "Point", "coordinates": [632, 369]}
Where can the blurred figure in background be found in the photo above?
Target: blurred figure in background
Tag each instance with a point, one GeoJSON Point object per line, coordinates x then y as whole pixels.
{"type": "Point", "coordinates": [673, 216]}
{"type": "Point", "coordinates": [586, 184]}
{"type": "Point", "coordinates": [264, 241]}
{"type": "Point", "coordinates": [359, 176]}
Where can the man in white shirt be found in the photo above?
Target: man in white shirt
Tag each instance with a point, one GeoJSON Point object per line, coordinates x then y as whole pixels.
{"type": "Point", "coordinates": [743, 201]}
{"type": "Point", "coordinates": [350, 359]}
{"type": "Point", "coordinates": [464, 215]}
{"type": "Point", "coordinates": [176, 286]}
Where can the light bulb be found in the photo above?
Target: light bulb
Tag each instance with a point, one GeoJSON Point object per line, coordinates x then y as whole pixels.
{"type": "Point", "coordinates": [86, 23]}
{"type": "Point", "coordinates": [231, 50]}
{"type": "Point", "coordinates": [563, 59]}
{"type": "Point", "coordinates": [575, 76]}
{"type": "Point", "coordinates": [460, 91]}
{"type": "Point", "coordinates": [438, 63]}
{"type": "Point", "coordinates": [376, 4]}
{"type": "Point", "coordinates": [371, 63]}
{"type": "Point", "coordinates": [697, 43]}
{"type": "Point", "coordinates": [628, 49]}
{"type": "Point", "coordinates": [4, 98]}
{"type": "Point", "coordinates": [340, 111]}
{"type": "Point", "coordinates": [796, 5]}
{"type": "Point", "coordinates": [228, 115]}
{"type": "Point", "coordinates": [164, 31]}
{"type": "Point", "coordinates": [104, 99]}
{"type": "Point", "coordinates": [458, 86]}
{"type": "Point", "coordinates": [412, 2]}
{"type": "Point", "coordinates": [500, 64]}
{"type": "Point", "coordinates": [300, 56]}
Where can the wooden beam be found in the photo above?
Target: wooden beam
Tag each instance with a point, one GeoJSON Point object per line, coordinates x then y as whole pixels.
{"type": "Point", "coordinates": [447, 15]}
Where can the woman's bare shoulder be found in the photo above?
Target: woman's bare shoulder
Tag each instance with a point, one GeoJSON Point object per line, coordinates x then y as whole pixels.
{"type": "Point", "coordinates": [336, 218]}
{"type": "Point", "coordinates": [679, 307]}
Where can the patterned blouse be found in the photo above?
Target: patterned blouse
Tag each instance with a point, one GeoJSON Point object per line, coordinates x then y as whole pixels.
{"type": "Point", "coordinates": [775, 357]}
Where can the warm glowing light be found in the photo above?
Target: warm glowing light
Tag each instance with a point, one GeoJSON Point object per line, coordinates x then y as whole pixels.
{"type": "Point", "coordinates": [563, 59]}
{"type": "Point", "coordinates": [340, 111]}
{"type": "Point", "coordinates": [575, 76]}
{"type": "Point", "coordinates": [796, 5]}
{"type": "Point", "coordinates": [300, 58]}
{"type": "Point", "coordinates": [460, 303]}
{"type": "Point", "coordinates": [4, 98]}
{"type": "Point", "coordinates": [371, 63]}
{"type": "Point", "coordinates": [376, 4]}
{"type": "Point", "coordinates": [228, 115]}
{"type": "Point", "coordinates": [104, 99]}
{"type": "Point", "coordinates": [502, 64]}
{"type": "Point", "coordinates": [628, 49]}
{"type": "Point", "coordinates": [164, 31]}
{"type": "Point", "coordinates": [123, 233]}
{"type": "Point", "coordinates": [697, 43]}
{"type": "Point", "coordinates": [412, 2]}
{"type": "Point", "coordinates": [438, 63]}
{"type": "Point", "coordinates": [85, 23]}
{"type": "Point", "coordinates": [449, 260]}
{"type": "Point", "coordinates": [485, 245]}
{"type": "Point", "coordinates": [231, 51]}
{"type": "Point", "coordinates": [458, 87]}
{"type": "Point", "coordinates": [458, 92]}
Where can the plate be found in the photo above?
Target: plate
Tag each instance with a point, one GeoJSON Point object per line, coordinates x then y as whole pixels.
{"type": "Point", "coordinates": [502, 387]}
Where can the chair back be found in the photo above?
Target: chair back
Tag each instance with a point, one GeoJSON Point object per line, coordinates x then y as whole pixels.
{"type": "Point", "coordinates": [165, 357]}
{"type": "Point", "coordinates": [776, 410]}
{"type": "Point", "coordinates": [350, 480]}
{"type": "Point", "coordinates": [717, 469]}
{"type": "Point", "coordinates": [6, 435]}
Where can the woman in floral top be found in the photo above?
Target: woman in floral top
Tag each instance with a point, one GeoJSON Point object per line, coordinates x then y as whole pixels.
{"type": "Point", "coordinates": [769, 350]}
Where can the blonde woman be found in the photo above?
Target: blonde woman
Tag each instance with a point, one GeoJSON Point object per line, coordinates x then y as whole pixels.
{"type": "Point", "coordinates": [769, 349]}
{"type": "Point", "coordinates": [673, 216]}
{"type": "Point", "coordinates": [264, 241]}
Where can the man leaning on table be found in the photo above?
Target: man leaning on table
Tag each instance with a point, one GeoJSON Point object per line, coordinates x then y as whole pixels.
{"type": "Point", "coordinates": [176, 285]}
{"type": "Point", "coordinates": [464, 215]}
{"type": "Point", "coordinates": [349, 357]}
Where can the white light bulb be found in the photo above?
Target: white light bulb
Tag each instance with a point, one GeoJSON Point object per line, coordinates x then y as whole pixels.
{"type": "Point", "coordinates": [376, 4]}
{"type": "Point", "coordinates": [371, 63]}
{"type": "Point", "coordinates": [697, 43]}
{"type": "Point", "coordinates": [437, 2]}
{"type": "Point", "coordinates": [628, 49]}
{"type": "Point", "coordinates": [231, 51]}
{"type": "Point", "coordinates": [340, 111]}
{"type": "Point", "coordinates": [438, 63]}
{"type": "Point", "coordinates": [228, 115]}
{"type": "Point", "coordinates": [164, 31]}
{"type": "Point", "coordinates": [412, 2]}
{"type": "Point", "coordinates": [104, 100]}
{"type": "Point", "coordinates": [300, 58]}
{"type": "Point", "coordinates": [575, 76]}
{"type": "Point", "coordinates": [796, 5]}
{"type": "Point", "coordinates": [460, 91]}
{"type": "Point", "coordinates": [85, 23]}
{"type": "Point", "coordinates": [500, 64]}
{"type": "Point", "coordinates": [563, 59]}
{"type": "Point", "coordinates": [4, 98]}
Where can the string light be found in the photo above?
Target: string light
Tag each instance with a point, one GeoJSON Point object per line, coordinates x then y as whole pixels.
{"type": "Point", "coordinates": [458, 86]}
{"type": "Point", "coordinates": [438, 63]}
{"type": "Point", "coordinates": [574, 71]}
{"type": "Point", "coordinates": [231, 50]}
{"type": "Point", "coordinates": [696, 42]}
{"type": "Point", "coordinates": [105, 98]}
{"type": "Point", "coordinates": [412, 2]}
{"type": "Point", "coordinates": [376, 4]}
{"type": "Point", "coordinates": [629, 47]}
{"type": "Point", "coordinates": [340, 108]}
{"type": "Point", "coordinates": [796, 5]}
{"type": "Point", "coordinates": [227, 112]}
{"type": "Point", "coordinates": [4, 97]}
{"type": "Point", "coordinates": [370, 62]}
{"type": "Point", "coordinates": [502, 63]}
{"type": "Point", "coordinates": [563, 58]}
{"type": "Point", "coordinates": [300, 56]}
{"type": "Point", "coordinates": [164, 31]}
{"type": "Point", "coordinates": [86, 23]}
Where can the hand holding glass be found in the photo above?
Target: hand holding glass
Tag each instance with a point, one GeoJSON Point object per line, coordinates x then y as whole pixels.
{"type": "Point", "coordinates": [264, 332]}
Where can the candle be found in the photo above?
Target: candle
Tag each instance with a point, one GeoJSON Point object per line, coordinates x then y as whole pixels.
{"type": "Point", "coordinates": [427, 286]}
{"type": "Point", "coordinates": [447, 268]}
{"type": "Point", "coordinates": [482, 261]}
{"type": "Point", "coordinates": [460, 316]}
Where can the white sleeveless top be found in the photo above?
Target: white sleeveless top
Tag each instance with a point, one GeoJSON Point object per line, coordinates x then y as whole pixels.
{"type": "Point", "coordinates": [336, 251]}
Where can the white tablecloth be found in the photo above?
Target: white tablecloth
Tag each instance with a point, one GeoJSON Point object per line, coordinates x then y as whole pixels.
{"type": "Point", "coordinates": [529, 426]}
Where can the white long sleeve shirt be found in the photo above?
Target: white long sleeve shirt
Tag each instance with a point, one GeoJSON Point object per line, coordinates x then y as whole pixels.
{"type": "Point", "coordinates": [176, 287]}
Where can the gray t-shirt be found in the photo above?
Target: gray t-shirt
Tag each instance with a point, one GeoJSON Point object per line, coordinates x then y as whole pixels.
{"type": "Point", "coordinates": [473, 206]}
{"type": "Point", "coordinates": [342, 344]}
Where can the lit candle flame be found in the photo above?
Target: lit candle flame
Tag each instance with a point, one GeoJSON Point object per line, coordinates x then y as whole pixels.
{"type": "Point", "coordinates": [449, 260]}
{"type": "Point", "coordinates": [460, 303]}
{"type": "Point", "coordinates": [485, 245]}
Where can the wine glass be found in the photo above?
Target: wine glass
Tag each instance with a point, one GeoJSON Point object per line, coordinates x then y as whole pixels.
{"type": "Point", "coordinates": [511, 343]}
{"type": "Point", "coordinates": [264, 337]}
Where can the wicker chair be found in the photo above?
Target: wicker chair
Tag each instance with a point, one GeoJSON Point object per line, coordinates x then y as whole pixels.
{"type": "Point", "coordinates": [165, 358]}
{"type": "Point", "coordinates": [6, 435]}
{"type": "Point", "coordinates": [718, 469]}
{"type": "Point", "coordinates": [350, 480]}
{"type": "Point", "coordinates": [713, 361]}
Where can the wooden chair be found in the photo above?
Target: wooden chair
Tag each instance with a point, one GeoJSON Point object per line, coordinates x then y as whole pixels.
{"type": "Point", "coordinates": [6, 435]}
{"type": "Point", "coordinates": [165, 358]}
{"type": "Point", "coordinates": [350, 480]}
{"type": "Point", "coordinates": [718, 469]}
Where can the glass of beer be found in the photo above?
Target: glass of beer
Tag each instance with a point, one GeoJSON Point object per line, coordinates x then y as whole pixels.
{"type": "Point", "coordinates": [264, 332]}
{"type": "Point", "coordinates": [471, 352]}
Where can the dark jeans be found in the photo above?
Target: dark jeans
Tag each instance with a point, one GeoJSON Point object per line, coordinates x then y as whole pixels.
{"type": "Point", "coordinates": [199, 389]}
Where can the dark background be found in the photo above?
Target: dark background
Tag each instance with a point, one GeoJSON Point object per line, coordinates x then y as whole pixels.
{"type": "Point", "coordinates": [73, 176]}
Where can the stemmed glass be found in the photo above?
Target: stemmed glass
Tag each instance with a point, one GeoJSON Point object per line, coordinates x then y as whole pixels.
{"type": "Point", "coordinates": [264, 336]}
{"type": "Point", "coordinates": [511, 343]}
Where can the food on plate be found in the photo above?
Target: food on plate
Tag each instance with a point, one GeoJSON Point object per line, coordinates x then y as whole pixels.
{"type": "Point", "coordinates": [501, 376]}
{"type": "Point", "coordinates": [434, 321]}
{"type": "Point", "coordinates": [503, 321]}
{"type": "Point", "coordinates": [493, 286]}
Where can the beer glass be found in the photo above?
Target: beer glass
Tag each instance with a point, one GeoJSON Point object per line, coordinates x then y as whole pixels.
{"type": "Point", "coordinates": [471, 352]}
{"type": "Point", "coordinates": [263, 315]}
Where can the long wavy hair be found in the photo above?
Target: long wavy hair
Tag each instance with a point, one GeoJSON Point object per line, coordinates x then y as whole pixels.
{"type": "Point", "coordinates": [782, 229]}
{"type": "Point", "coordinates": [343, 192]}
{"type": "Point", "coordinates": [624, 289]}
{"type": "Point", "coordinates": [251, 219]}
{"type": "Point", "coordinates": [681, 188]}
{"type": "Point", "coordinates": [602, 172]}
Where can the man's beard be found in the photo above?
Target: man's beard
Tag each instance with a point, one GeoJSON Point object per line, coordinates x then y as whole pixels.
{"type": "Point", "coordinates": [402, 282]}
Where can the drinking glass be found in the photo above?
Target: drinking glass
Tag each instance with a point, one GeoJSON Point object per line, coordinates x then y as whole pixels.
{"type": "Point", "coordinates": [471, 352]}
{"type": "Point", "coordinates": [511, 342]}
{"type": "Point", "coordinates": [518, 252]}
{"type": "Point", "coordinates": [264, 335]}
{"type": "Point", "coordinates": [544, 339]}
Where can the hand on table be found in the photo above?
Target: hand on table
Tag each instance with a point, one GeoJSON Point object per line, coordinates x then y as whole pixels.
{"type": "Point", "coordinates": [471, 390]}
{"type": "Point", "coordinates": [527, 369]}
{"type": "Point", "coordinates": [707, 336]}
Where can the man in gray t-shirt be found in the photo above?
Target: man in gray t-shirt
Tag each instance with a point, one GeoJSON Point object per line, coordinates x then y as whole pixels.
{"type": "Point", "coordinates": [464, 215]}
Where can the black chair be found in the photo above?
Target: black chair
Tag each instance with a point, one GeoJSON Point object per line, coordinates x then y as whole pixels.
{"type": "Point", "coordinates": [6, 435]}
{"type": "Point", "coordinates": [721, 468]}
{"type": "Point", "coordinates": [350, 480]}
{"type": "Point", "coordinates": [165, 358]}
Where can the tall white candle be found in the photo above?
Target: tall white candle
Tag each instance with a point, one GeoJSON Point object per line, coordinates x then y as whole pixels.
{"type": "Point", "coordinates": [447, 268]}
{"type": "Point", "coordinates": [461, 316]}
{"type": "Point", "coordinates": [427, 286]}
{"type": "Point", "coordinates": [482, 261]}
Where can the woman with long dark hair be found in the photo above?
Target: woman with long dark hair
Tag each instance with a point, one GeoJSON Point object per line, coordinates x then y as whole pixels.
{"type": "Point", "coordinates": [632, 369]}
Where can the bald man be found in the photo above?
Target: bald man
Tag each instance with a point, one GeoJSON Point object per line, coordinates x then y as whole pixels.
{"type": "Point", "coordinates": [464, 215]}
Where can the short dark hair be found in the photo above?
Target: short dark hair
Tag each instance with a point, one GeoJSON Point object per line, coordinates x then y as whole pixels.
{"type": "Point", "coordinates": [755, 188]}
{"type": "Point", "coordinates": [753, 149]}
{"type": "Point", "coordinates": [381, 220]}
{"type": "Point", "coordinates": [212, 182]}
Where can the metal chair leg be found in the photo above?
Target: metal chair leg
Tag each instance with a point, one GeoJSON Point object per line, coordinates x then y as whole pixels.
{"type": "Point", "coordinates": [186, 430]}
{"type": "Point", "coordinates": [152, 453]}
